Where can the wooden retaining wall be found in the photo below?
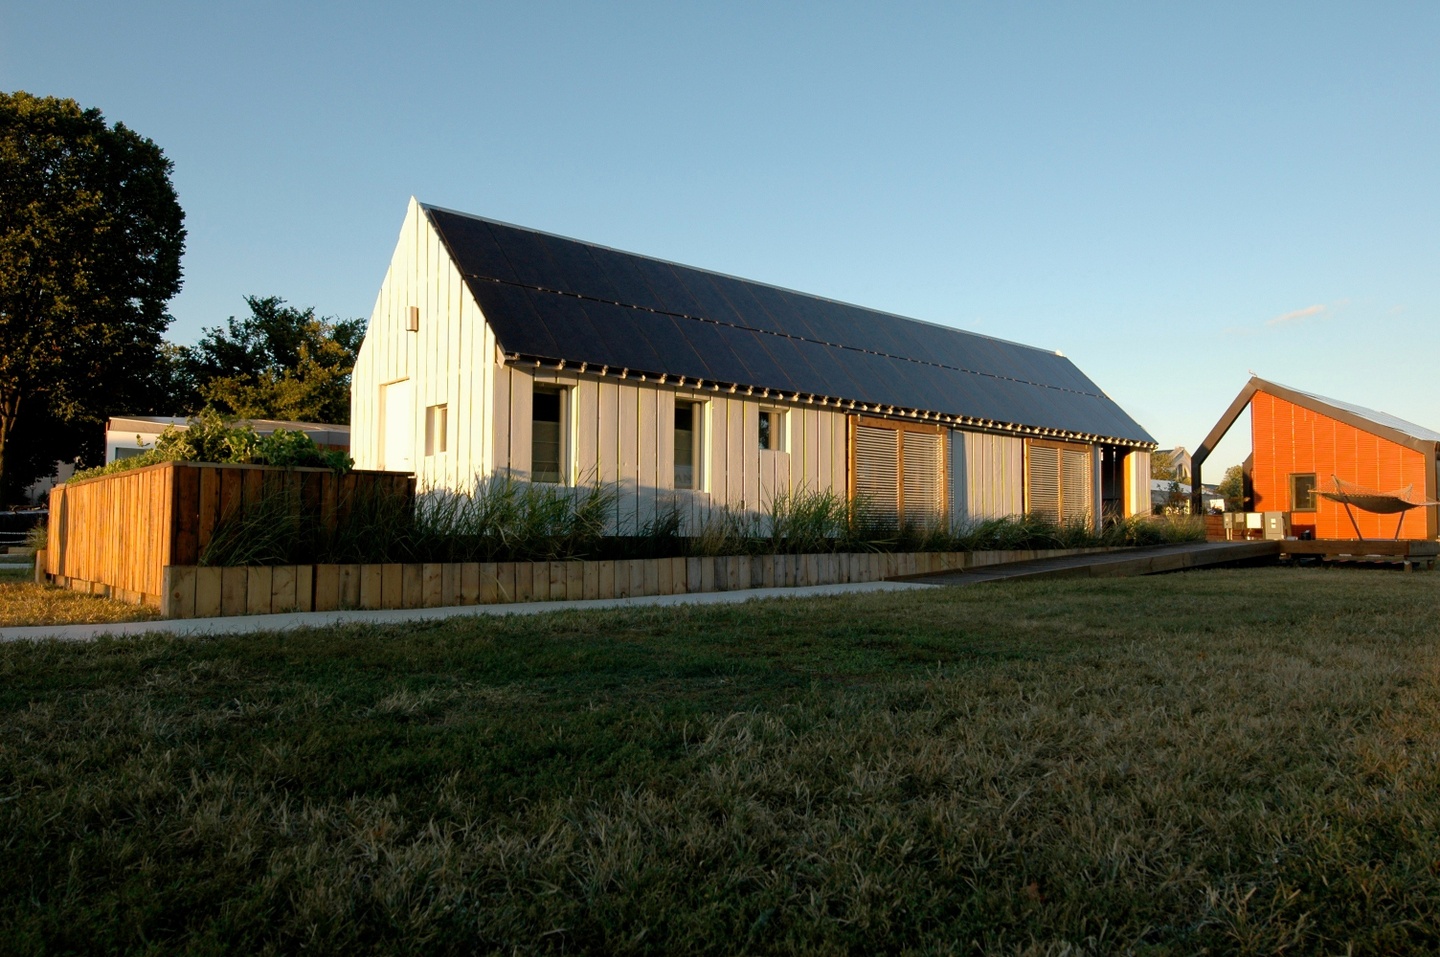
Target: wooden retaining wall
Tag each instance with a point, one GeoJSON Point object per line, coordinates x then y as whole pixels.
{"type": "Point", "coordinates": [208, 592]}
{"type": "Point", "coordinates": [115, 534]}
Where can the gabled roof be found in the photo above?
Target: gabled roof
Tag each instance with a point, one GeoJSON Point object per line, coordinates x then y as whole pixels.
{"type": "Point", "coordinates": [1381, 420]}
{"type": "Point", "coordinates": [1386, 426]}
{"type": "Point", "coordinates": [551, 298]}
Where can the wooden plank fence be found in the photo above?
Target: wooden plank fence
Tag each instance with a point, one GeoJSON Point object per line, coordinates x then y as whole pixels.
{"type": "Point", "coordinates": [115, 534]}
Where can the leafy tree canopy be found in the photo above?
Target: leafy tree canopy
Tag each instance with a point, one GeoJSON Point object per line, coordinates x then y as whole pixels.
{"type": "Point", "coordinates": [279, 362]}
{"type": "Point", "coordinates": [91, 235]}
{"type": "Point", "coordinates": [1232, 486]}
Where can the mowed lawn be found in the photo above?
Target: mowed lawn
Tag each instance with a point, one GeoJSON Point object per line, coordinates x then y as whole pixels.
{"type": "Point", "coordinates": [1242, 761]}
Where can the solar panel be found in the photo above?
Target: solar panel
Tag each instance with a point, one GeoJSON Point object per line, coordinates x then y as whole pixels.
{"type": "Point", "coordinates": [824, 347]}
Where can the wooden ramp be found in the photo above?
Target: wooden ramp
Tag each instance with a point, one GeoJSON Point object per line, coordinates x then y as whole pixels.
{"type": "Point", "coordinates": [1126, 564]}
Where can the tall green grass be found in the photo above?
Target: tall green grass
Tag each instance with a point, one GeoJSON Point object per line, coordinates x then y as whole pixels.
{"type": "Point", "coordinates": [504, 519]}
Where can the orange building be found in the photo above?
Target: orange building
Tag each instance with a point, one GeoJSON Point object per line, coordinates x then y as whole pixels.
{"type": "Point", "coordinates": [1303, 442]}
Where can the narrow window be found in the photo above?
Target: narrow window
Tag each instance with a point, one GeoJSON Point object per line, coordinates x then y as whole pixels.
{"type": "Point", "coordinates": [772, 426]}
{"type": "Point", "coordinates": [436, 428]}
{"type": "Point", "coordinates": [546, 445]}
{"type": "Point", "coordinates": [687, 445]}
{"type": "Point", "coordinates": [1302, 492]}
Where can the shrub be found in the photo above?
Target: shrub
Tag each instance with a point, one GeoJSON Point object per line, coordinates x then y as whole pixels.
{"type": "Point", "coordinates": [212, 437]}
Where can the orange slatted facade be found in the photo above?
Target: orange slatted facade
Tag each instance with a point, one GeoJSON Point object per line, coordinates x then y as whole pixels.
{"type": "Point", "coordinates": [1288, 439]}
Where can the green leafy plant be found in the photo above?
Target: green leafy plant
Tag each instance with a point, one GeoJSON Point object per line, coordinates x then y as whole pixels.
{"type": "Point", "coordinates": [212, 437]}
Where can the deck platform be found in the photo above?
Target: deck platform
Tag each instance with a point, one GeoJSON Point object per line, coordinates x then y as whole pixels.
{"type": "Point", "coordinates": [1406, 553]}
{"type": "Point", "coordinates": [1151, 560]}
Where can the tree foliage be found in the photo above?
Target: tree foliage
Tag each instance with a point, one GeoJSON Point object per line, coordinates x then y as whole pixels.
{"type": "Point", "coordinates": [279, 362]}
{"type": "Point", "coordinates": [1232, 486]}
{"type": "Point", "coordinates": [91, 235]}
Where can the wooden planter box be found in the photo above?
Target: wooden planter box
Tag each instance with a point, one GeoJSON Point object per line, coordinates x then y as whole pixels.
{"type": "Point", "coordinates": [207, 592]}
{"type": "Point", "coordinates": [116, 534]}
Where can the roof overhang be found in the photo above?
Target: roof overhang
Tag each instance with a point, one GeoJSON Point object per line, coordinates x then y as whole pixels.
{"type": "Point", "coordinates": [837, 403]}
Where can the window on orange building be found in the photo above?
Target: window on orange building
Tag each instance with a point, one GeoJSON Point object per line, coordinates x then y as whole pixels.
{"type": "Point", "coordinates": [1302, 492]}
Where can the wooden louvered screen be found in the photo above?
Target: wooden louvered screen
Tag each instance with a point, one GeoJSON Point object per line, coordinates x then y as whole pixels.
{"type": "Point", "coordinates": [876, 471]}
{"type": "Point", "coordinates": [1058, 480]}
{"type": "Point", "coordinates": [1076, 477]}
{"type": "Point", "coordinates": [897, 471]}
{"type": "Point", "coordinates": [923, 484]}
{"type": "Point", "coordinates": [1042, 478]}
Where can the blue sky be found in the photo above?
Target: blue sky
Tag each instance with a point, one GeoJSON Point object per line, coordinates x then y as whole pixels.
{"type": "Point", "coordinates": [1172, 195]}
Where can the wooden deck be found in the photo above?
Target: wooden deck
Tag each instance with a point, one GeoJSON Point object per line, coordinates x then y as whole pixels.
{"type": "Point", "coordinates": [1406, 553]}
{"type": "Point", "coordinates": [1132, 562]}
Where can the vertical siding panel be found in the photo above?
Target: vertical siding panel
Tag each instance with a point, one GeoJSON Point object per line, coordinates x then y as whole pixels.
{"type": "Point", "coordinates": [522, 395]}
{"type": "Point", "coordinates": [664, 439]}
{"type": "Point", "coordinates": [825, 451]}
{"type": "Point", "coordinates": [810, 462]}
{"type": "Point", "coordinates": [717, 439]}
{"type": "Point", "coordinates": [587, 413]}
{"type": "Point", "coordinates": [628, 429]}
{"type": "Point", "coordinates": [501, 419]}
{"type": "Point", "coordinates": [738, 451]}
{"type": "Point", "coordinates": [608, 431]}
{"type": "Point", "coordinates": [648, 453]}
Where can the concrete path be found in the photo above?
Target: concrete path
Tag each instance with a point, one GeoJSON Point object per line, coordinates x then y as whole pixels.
{"type": "Point", "coordinates": [1131, 562]}
{"type": "Point", "coordinates": [317, 619]}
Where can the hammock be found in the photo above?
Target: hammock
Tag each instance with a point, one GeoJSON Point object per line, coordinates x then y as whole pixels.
{"type": "Point", "coordinates": [1371, 500]}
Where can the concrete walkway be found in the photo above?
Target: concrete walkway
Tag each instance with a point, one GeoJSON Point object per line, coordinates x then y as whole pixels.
{"type": "Point", "coordinates": [318, 619]}
{"type": "Point", "coordinates": [1131, 562]}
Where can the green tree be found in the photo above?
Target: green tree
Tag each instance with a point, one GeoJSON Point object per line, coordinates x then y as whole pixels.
{"type": "Point", "coordinates": [279, 363]}
{"type": "Point", "coordinates": [1232, 486]}
{"type": "Point", "coordinates": [91, 235]}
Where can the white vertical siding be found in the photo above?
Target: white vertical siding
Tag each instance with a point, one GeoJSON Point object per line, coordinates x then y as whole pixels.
{"type": "Point", "coordinates": [449, 360]}
{"type": "Point", "coordinates": [622, 432]}
{"type": "Point", "coordinates": [987, 475]}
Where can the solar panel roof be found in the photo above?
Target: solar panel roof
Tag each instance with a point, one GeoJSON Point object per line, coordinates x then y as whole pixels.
{"type": "Point", "coordinates": [554, 298]}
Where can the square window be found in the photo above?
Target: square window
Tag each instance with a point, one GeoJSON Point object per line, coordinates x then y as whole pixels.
{"type": "Point", "coordinates": [1302, 492]}
{"type": "Point", "coordinates": [437, 422]}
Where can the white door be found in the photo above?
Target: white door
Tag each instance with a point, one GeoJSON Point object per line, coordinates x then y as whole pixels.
{"type": "Point", "coordinates": [397, 426]}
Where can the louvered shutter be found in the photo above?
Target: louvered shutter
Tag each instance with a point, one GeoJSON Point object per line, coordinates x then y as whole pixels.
{"type": "Point", "coordinates": [1043, 480]}
{"type": "Point", "coordinates": [924, 485]}
{"type": "Point", "coordinates": [877, 473]}
{"type": "Point", "coordinates": [1076, 480]}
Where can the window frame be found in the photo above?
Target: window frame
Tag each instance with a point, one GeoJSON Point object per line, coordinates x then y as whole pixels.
{"type": "Point", "coordinates": [562, 452]}
{"type": "Point", "coordinates": [437, 429]}
{"type": "Point", "coordinates": [1314, 503]}
{"type": "Point", "coordinates": [778, 430]}
{"type": "Point", "coordinates": [698, 432]}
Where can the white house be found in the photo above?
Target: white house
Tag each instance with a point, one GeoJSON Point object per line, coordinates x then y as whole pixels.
{"type": "Point", "coordinates": [495, 349]}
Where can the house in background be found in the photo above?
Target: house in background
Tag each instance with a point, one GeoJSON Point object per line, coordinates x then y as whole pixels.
{"type": "Point", "coordinates": [129, 435]}
{"type": "Point", "coordinates": [495, 349]}
{"type": "Point", "coordinates": [1177, 458]}
{"type": "Point", "coordinates": [1302, 443]}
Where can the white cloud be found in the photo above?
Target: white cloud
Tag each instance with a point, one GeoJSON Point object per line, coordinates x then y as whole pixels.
{"type": "Point", "coordinates": [1297, 315]}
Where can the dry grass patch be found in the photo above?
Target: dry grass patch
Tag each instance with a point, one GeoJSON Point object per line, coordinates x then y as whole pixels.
{"type": "Point", "coordinates": [22, 602]}
{"type": "Point", "coordinates": [1221, 762]}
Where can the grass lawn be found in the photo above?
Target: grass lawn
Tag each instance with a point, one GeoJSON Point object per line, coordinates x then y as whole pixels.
{"type": "Point", "coordinates": [1231, 761]}
{"type": "Point", "coordinates": [22, 602]}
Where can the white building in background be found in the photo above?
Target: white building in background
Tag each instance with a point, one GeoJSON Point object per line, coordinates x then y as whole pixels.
{"type": "Point", "coordinates": [495, 349]}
